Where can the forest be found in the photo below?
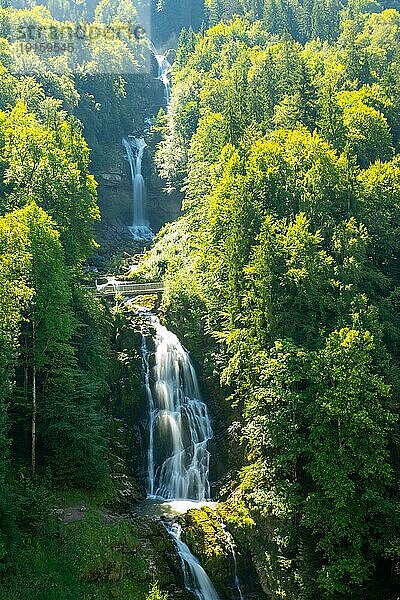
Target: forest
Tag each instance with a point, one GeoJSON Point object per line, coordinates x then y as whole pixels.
{"type": "Point", "coordinates": [281, 147]}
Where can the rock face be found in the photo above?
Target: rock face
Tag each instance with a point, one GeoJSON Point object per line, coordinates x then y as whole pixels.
{"type": "Point", "coordinates": [115, 192]}
{"type": "Point", "coordinates": [163, 207]}
{"type": "Point", "coordinates": [129, 412]}
{"type": "Point", "coordinates": [111, 179]}
{"type": "Point", "coordinates": [121, 555]}
{"type": "Point", "coordinates": [223, 540]}
{"type": "Point", "coordinates": [116, 207]}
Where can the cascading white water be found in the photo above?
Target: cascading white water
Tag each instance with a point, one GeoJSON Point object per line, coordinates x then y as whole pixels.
{"type": "Point", "coordinates": [196, 579]}
{"type": "Point", "coordinates": [179, 431]}
{"type": "Point", "coordinates": [134, 148]}
{"type": "Point", "coordinates": [164, 69]}
{"type": "Point", "coordinates": [179, 423]}
{"type": "Point", "coordinates": [231, 544]}
{"type": "Point", "coordinates": [237, 580]}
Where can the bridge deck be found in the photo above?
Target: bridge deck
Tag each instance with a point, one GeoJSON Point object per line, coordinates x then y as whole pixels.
{"type": "Point", "coordinates": [126, 288]}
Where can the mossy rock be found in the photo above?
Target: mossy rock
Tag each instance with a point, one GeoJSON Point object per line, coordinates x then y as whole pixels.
{"type": "Point", "coordinates": [210, 534]}
{"type": "Point", "coordinates": [203, 532]}
{"type": "Point", "coordinates": [251, 540]}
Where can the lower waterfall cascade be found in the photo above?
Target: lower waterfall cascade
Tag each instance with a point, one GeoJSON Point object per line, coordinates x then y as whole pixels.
{"type": "Point", "coordinates": [179, 423]}
{"type": "Point", "coordinates": [179, 431]}
{"type": "Point", "coordinates": [196, 579]}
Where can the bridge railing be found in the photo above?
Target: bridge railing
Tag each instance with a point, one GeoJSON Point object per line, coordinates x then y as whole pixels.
{"type": "Point", "coordinates": [126, 287]}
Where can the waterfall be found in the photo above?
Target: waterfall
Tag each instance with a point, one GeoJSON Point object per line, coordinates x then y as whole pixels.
{"type": "Point", "coordinates": [134, 149]}
{"type": "Point", "coordinates": [237, 580]}
{"type": "Point", "coordinates": [196, 579]}
{"type": "Point", "coordinates": [164, 69]}
{"type": "Point", "coordinates": [231, 544]}
{"type": "Point", "coordinates": [179, 423]}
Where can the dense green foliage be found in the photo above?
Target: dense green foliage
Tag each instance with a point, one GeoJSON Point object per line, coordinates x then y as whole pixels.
{"type": "Point", "coordinates": [54, 337]}
{"type": "Point", "coordinates": [106, 83]}
{"type": "Point", "coordinates": [85, 559]}
{"type": "Point", "coordinates": [301, 19]}
{"type": "Point", "coordinates": [58, 362]}
{"type": "Point", "coordinates": [283, 277]}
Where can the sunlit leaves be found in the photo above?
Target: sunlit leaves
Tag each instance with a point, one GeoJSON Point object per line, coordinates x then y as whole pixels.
{"type": "Point", "coordinates": [49, 163]}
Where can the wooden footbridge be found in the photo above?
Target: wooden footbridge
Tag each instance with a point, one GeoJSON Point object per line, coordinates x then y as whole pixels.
{"type": "Point", "coordinates": [114, 287]}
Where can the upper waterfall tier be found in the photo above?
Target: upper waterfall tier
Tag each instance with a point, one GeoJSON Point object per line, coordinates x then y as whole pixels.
{"type": "Point", "coordinates": [164, 69]}
{"type": "Point", "coordinates": [134, 149]}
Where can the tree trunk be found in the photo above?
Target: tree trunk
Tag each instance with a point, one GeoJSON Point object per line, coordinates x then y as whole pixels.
{"type": "Point", "coordinates": [34, 407]}
{"type": "Point", "coordinates": [26, 368]}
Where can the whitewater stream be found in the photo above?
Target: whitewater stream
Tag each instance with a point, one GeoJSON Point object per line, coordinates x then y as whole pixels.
{"type": "Point", "coordinates": [164, 70]}
{"type": "Point", "coordinates": [178, 459]}
{"type": "Point", "coordinates": [196, 579]}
